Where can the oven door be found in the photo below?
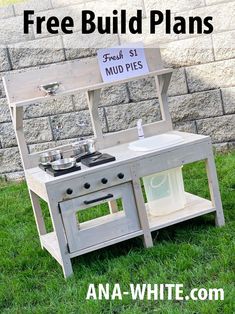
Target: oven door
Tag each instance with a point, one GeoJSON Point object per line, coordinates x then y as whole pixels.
{"type": "Point", "coordinates": [107, 227]}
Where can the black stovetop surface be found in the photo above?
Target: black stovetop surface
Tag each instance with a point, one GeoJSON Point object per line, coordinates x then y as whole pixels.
{"type": "Point", "coordinates": [98, 159]}
{"type": "Point", "coordinates": [90, 160]}
{"type": "Point", "coordinates": [58, 173]}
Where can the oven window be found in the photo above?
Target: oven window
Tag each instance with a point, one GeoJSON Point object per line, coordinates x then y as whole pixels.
{"type": "Point", "coordinates": [97, 211]}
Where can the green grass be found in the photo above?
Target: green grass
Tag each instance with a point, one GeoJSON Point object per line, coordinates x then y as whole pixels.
{"type": "Point", "coordinates": [7, 2]}
{"type": "Point", "coordinates": [194, 253]}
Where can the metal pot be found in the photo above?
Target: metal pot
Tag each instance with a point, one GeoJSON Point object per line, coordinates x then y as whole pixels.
{"type": "Point", "coordinates": [48, 157]}
{"type": "Point", "coordinates": [63, 164]}
{"type": "Point", "coordinates": [84, 147]}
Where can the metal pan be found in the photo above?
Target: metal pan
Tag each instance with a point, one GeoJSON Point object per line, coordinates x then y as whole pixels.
{"type": "Point", "coordinates": [63, 164]}
{"type": "Point", "coordinates": [48, 157]}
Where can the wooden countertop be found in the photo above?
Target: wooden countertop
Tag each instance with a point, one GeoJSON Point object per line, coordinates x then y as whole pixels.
{"type": "Point", "coordinates": [123, 156]}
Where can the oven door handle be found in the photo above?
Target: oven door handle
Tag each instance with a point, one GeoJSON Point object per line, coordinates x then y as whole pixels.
{"type": "Point", "coordinates": [98, 199]}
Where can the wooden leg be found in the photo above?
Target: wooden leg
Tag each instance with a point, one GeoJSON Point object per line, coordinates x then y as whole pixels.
{"type": "Point", "coordinates": [61, 238]}
{"type": "Point", "coordinates": [147, 237]}
{"type": "Point", "coordinates": [214, 189]}
{"type": "Point", "coordinates": [38, 214]}
{"type": "Point", "coordinates": [113, 208]}
{"type": "Point", "coordinates": [67, 268]}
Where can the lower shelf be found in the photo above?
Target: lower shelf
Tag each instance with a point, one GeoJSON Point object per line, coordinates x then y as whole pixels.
{"type": "Point", "coordinates": [107, 243]}
{"type": "Point", "coordinates": [50, 243]}
{"type": "Point", "coordinates": [195, 206]}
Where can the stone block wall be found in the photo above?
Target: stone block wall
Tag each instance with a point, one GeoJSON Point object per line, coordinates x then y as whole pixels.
{"type": "Point", "coordinates": [201, 94]}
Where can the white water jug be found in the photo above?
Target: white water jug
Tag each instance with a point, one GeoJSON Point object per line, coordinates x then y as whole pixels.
{"type": "Point", "coordinates": [165, 192]}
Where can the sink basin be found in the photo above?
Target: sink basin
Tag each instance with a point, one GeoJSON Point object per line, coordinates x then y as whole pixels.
{"type": "Point", "coordinates": [155, 142]}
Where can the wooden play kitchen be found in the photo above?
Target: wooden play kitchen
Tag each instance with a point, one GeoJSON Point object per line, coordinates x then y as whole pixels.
{"type": "Point", "coordinates": [163, 152]}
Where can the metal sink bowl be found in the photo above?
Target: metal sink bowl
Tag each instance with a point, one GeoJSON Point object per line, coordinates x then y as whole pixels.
{"type": "Point", "coordinates": [155, 142]}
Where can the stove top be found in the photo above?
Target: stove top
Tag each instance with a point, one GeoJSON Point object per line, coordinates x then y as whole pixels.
{"type": "Point", "coordinates": [79, 159]}
{"type": "Point", "coordinates": [57, 173]}
{"type": "Point", "coordinates": [98, 159]}
{"type": "Point", "coordinates": [90, 160]}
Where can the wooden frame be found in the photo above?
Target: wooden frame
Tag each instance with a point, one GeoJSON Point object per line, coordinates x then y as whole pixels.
{"type": "Point", "coordinates": [84, 76]}
{"type": "Point", "coordinates": [104, 228]}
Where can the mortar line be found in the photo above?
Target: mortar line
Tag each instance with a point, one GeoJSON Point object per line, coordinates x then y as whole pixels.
{"type": "Point", "coordinates": [63, 47]}
{"type": "Point", "coordinates": [222, 102]}
{"type": "Point", "coordinates": [50, 1]}
{"type": "Point", "coordinates": [144, 9]}
{"type": "Point", "coordinates": [50, 124]}
{"type": "Point", "coordinates": [186, 81]}
{"type": "Point", "coordinates": [196, 126]}
{"type": "Point", "coordinates": [213, 48]}
{"type": "Point", "coordinates": [14, 11]}
{"type": "Point", "coordinates": [9, 58]}
{"type": "Point", "coordinates": [128, 93]}
{"type": "Point", "coordinates": [106, 119]}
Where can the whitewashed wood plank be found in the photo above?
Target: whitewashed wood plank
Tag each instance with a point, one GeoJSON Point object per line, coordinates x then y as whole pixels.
{"type": "Point", "coordinates": [103, 228]}
{"type": "Point", "coordinates": [214, 188]}
{"type": "Point", "coordinates": [107, 243]}
{"type": "Point", "coordinates": [50, 243]}
{"type": "Point", "coordinates": [195, 206]}
{"type": "Point", "coordinates": [78, 79]}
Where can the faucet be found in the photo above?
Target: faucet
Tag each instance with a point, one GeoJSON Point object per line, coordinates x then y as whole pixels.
{"type": "Point", "coordinates": [140, 129]}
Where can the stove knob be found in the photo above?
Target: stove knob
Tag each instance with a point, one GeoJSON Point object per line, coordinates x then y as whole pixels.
{"type": "Point", "coordinates": [104, 181]}
{"type": "Point", "coordinates": [121, 175]}
{"type": "Point", "coordinates": [87, 185]}
{"type": "Point", "coordinates": [69, 191]}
